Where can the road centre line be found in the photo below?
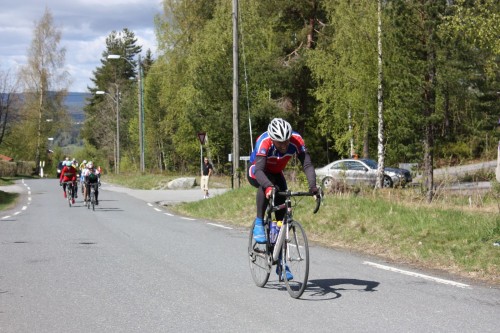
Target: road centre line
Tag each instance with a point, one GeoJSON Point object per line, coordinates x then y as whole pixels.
{"type": "Point", "coordinates": [187, 218]}
{"type": "Point", "coordinates": [219, 226]}
{"type": "Point", "coordinates": [158, 209]}
{"type": "Point", "coordinates": [423, 276]}
{"type": "Point", "coordinates": [150, 204]}
{"type": "Point", "coordinates": [168, 214]}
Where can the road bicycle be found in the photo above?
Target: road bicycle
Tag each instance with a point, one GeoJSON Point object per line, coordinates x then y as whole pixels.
{"type": "Point", "coordinates": [290, 250]}
{"type": "Point", "coordinates": [69, 192]}
{"type": "Point", "coordinates": [91, 201]}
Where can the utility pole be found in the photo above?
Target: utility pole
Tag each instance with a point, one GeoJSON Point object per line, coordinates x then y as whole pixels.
{"type": "Point", "coordinates": [236, 117]}
{"type": "Point", "coordinates": [141, 114]}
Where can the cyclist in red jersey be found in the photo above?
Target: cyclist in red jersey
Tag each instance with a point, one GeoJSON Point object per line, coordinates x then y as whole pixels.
{"type": "Point", "coordinates": [68, 174]}
{"type": "Point", "coordinates": [273, 149]}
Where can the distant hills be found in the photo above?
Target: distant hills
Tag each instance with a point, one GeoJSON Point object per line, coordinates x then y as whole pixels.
{"type": "Point", "coordinates": [75, 101]}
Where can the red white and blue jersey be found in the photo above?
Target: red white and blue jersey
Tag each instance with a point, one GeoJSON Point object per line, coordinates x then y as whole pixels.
{"type": "Point", "coordinates": [276, 161]}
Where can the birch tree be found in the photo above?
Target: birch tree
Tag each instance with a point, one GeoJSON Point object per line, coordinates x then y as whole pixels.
{"type": "Point", "coordinates": [44, 83]}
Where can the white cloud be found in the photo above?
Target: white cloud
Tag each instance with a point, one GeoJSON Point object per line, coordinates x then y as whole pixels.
{"type": "Point", "coordinates": [85, 24]}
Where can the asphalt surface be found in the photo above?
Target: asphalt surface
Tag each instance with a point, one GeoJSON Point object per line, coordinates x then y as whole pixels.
{"type": "Point", "coordinates": [134, 266]}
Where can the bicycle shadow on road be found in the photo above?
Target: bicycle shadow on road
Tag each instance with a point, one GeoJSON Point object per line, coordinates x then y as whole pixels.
{"type": "Point", "coordinates": [332, 288]}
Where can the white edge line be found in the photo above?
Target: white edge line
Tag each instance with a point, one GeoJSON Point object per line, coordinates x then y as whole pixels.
{"type": "Point", "coordinates": [168, 214]}
{"type": "Point", "coordinates": [5, 217]}
{"type": "Point", "coordinates": [24, 207]}
{"type": "Point", "coordinates": [150, 204]}
{"type": "Point", "coordinates": [16, 213]}
{"type": "Point", "coordinates": [423, 276]}
{"type": "Point", "coordinates": [158, 209]}
{"type": "Point", "coordinates": [219, 226]}
{"type": "Point", "coordinates": [187, 218]}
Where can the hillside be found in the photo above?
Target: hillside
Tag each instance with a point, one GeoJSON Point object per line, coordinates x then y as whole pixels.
{"type": "Point", "coordinates": [75, 101]}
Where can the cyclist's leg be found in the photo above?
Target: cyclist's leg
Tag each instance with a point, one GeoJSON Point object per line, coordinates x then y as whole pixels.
{"type": "Point", "coordinates": [96, 194]}
{"type": "Point", "coordinates": [280, 181]}
{"type": "Point", "coordinates": [85, 191]}
{"type": "Point", "coordinates": [258, 223]}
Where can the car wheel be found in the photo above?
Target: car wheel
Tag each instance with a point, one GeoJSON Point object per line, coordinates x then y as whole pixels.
{"type": "Point", "coordinates": [327, 182]}
{"type": "Point", "coordinates": [387, 181]}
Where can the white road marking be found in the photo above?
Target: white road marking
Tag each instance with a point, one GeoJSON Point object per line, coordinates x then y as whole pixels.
{"type": "Point", "coordinates": [150, 204]}
{"type": "Point", "coordinates": [24, 207]}
{"type": "Point", "coordinates": [187, 218]}
{"type": "Point", "coordinates": [158, 209]}
{"type": "Point", "coordinates": [423, 276]}
{"type": "Point", "coordinates": [219, 226]}
{"type": "Point", "coordinates": [168, 214]}
{"type": "Point", "coordinates": [16, 213]}
{"type": "Point", "coordinates": [5, 217]}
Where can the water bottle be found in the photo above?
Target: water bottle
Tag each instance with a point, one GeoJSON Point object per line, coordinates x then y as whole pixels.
{"type": "Point", "coordinates": [273, 232]}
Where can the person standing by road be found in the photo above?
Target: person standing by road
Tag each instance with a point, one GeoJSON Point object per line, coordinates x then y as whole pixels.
{"type": "Point", "coordinates": [205, 175]}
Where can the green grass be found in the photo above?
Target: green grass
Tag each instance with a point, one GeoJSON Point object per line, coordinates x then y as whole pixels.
{"type": "Point", "coordinates": [7, 200]}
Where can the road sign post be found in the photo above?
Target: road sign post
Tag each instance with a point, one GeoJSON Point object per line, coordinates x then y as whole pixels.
{"type": "Point", "coordinates": [202, 137]}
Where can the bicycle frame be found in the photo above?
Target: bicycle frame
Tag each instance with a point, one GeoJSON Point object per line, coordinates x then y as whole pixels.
{"type": "Point", "coordinates": [284, 230]}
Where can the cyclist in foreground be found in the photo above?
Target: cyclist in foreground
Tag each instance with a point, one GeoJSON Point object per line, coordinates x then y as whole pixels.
{"type": "Point", "coordinates": [273, 149]}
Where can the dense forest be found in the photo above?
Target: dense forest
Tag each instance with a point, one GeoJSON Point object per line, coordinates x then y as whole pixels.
{"type": "Point", "coordinates": [418, 78]}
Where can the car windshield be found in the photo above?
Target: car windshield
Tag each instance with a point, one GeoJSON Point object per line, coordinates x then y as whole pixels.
{"type": "Point", "coordinates": [371, 163]}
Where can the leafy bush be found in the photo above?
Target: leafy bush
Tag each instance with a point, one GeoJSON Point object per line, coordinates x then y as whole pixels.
{"type": "Point", "coordinates": [7, 169]}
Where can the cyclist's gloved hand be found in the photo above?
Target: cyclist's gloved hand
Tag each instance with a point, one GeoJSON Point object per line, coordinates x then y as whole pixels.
{"type": "Point", "coordinates": [314, 190]}
{"type": "Point", "coordinates": [268, 191]}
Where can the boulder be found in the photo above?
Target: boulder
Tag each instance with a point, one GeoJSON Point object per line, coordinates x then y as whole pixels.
{"type": "Point", "coordinates": [182, 183]}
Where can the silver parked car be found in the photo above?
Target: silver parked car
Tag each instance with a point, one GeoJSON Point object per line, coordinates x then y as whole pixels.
{"type": "Point", "coordinates": [361, 172]}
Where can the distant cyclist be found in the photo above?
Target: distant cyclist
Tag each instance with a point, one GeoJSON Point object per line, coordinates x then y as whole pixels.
{"type": "Point", "coordinates": [273, 149]}
{"type": "Point", "coordinates": [82, 167]}
{"type": "Point", "coordinates": [92, 177]}
{"type": "Point", "coordinates": [68, 174]}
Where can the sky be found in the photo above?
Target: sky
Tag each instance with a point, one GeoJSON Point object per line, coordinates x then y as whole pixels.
{"type": "Point", "coordinates": [84, 25]}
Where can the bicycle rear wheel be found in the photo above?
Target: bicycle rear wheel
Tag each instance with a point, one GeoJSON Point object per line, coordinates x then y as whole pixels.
{"type": "Point", "coordinates": [296, 254]}
{"type": "Point", "coordinates": [259, 259]}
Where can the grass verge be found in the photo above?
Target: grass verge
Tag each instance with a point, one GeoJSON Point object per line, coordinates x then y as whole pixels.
{"type": "Point", "coordinates": [7, 200]}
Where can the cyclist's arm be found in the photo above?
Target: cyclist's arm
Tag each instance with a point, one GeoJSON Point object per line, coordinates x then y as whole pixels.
{"type": "Point", "coordinates": [260, 175]}
{"type": "Point", "coordinates": [308, 167]}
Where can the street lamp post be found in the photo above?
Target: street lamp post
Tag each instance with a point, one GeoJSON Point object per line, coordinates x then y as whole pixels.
{"type": "Point", "coordinates": [117, 103]}
{"type": "Point", "coordinates": [140, 85]}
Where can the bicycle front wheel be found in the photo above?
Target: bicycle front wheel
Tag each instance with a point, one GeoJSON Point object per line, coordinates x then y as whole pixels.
{"type": "Point", "coordinates": [69, 194]}
{"type": "Point", "coordinates": [92, 199]}
{"type": "Point", "coordinates": [259, 260]}
{"type": "Point", "coordinates": [296, 253]}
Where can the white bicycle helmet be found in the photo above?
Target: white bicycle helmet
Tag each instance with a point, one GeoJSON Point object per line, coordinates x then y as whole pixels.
{"type": "Point", "coordinates": [279, 130]}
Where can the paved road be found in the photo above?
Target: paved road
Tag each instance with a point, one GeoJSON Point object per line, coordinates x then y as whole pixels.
{"type": "Point", "coordinates": [132, 266]}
